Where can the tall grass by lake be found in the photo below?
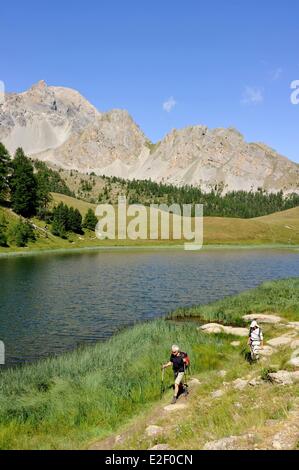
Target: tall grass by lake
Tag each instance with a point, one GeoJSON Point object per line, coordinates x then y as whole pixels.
{"type": "Point", "coordinates": [70, 400]}
{"type": "Point", "coordinates": [65, 401]}
{"type": "Point", "coordinates": [280, 297]}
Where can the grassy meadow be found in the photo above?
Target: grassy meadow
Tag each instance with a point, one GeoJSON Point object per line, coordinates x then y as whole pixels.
{"type": "Point", "coordinates": [275, 230]}
{"type": "Point", "coordinates": [77, 398]}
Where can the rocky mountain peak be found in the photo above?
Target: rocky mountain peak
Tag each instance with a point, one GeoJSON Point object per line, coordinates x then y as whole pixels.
{"type": "Point", "coordinates": [59, 125]}
{"type": "Point", "coordinates": [40, 85]}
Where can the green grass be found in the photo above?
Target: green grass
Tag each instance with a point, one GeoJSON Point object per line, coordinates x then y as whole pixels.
{"type": "Point", "coordinates": [66, 401]}
{"type": "Point", "coordinates": [276, 230]}
{"type": "Point", "coordinates": [281, 297]}
{"type": "Point", "coordinates": [76, 398]}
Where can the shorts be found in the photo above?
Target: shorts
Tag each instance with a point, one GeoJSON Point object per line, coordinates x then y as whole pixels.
{"type": "Point", "coordinates": [255, 348]}
{"type": "Point", "coordinates": [178, 376]}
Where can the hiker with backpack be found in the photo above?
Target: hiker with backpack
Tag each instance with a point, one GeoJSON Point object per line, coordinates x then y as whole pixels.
{"type": "Point", "coordinates": [179, 361]}
{"type": "Point", "coordinates": [255, 340]}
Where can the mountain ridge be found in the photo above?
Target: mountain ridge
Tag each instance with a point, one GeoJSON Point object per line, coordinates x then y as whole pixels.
{"type": "Point", "coordinates": [58, 125]}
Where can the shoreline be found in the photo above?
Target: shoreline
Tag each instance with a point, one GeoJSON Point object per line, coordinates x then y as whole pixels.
{"type": "Point", "coordinates": [80, 398]}
{"type": "Point", "coordinates": [216, 247]}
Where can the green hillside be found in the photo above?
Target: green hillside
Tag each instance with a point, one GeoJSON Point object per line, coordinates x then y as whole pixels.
{"type": "Point", "coordinates": [276, 229]}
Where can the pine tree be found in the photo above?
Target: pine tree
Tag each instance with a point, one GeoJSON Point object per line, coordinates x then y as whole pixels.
{"type": "Point", "coordinates": [66, 220]}
{"type": "Point", "coordinates": [43, 192]}
{"type": "Point", "coordinates": [3, 227]}
{"type": "Point", "coordinates": [58, 228]}
{"type": "Point", "coordinates": [90, 220]}
{"type": "Point", "coordinates": [74, 220]}
{"type": "Point", "coordinates": [23, 185]}
{"type": "Point", "coordinates": [5, 163]}
{"type": "Point", "coordinates": [21, 233]}
{"type": "Point", "coordinates": [60, 220]}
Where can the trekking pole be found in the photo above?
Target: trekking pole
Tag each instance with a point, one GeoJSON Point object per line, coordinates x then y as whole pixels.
{"type": "Point", "coordinates": [186, 372]}
{"type": "Point", "coordinates": [162, 383]}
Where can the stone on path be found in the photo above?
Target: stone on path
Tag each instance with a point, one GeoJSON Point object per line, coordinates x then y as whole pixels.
{"type": "Point", "coordinates": [153, 430]}
{"type": "Point", "coordinates": [211, 328]}
{"type": "Point", "coordinates": [217, 394]}
{"type": "Point", "coordinates": [175, 407]}
{"type": "Point", "coordinates": [231, 443]}
{"type": "Point", "coordinates": [194, 382]}
{"type": "Point", "coordinates": [293, 324]}
{"type": "Point", "coordinates": [280, 341]}
{"type": "Point", "coordinates": [284, 377]}
{"type": "Point", "coordinates": [226, 443]}
{"type": "Point", "coordinates": [295, 344]}
{"type": "Point", "coordinates": [266, 351]}
{"type": "Point", "coordinates": [229, 330]}
{"type": "Point", "coordinates": [294, 361]}
{"type": "Point", "coordinates": [255, 382]}
{"type": "Point", "coordinates": [235, 344]}
{"type": "Point", "coordinates": [160, 447]}
{"type": "Point", "coordinates": [286, 439]}
{"type": "Point", "coordinates": [222, 373]}
{"type": "Point", "coordinates": [235, 330]}
{"type": "Point", "coordinates": [240, 384]}
{"type": "Point", "coordinates": [119, 439]}
{"type": "Point", "coordinates": [263, 318]}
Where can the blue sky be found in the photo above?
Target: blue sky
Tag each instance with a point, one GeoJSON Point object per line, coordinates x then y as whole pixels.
{"type": "Point", "coordinates": [169, 63]}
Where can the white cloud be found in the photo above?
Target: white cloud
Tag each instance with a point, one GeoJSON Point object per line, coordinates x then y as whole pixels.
{"type": "Point", "coordinates": [252, 95]}
{"type": "Point", "coordinates": [276, 74]}
{"type": "Point", "coordinates": [169, 104]}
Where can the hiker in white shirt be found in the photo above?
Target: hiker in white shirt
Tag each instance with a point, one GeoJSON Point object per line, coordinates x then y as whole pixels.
{"type": "Point", "coordinates": [255, 340]}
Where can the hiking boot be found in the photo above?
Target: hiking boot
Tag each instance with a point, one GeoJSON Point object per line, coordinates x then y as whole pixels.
{"type": "Point", "coordinates": [173, 401]}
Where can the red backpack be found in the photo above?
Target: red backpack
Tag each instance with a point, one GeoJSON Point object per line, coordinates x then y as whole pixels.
{"type": "Point", "coordinates": [186, 359]}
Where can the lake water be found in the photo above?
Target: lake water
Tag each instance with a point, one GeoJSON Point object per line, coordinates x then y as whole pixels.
{"type": "Point", "coordinates": [52, 303]}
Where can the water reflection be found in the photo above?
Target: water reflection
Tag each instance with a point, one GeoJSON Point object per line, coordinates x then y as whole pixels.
{"type": "Point", "coordinates": [50, 304]}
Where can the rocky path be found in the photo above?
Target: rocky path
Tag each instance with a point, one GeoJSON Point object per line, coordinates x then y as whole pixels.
{"type": "Point", "coordinates": [155, 428]}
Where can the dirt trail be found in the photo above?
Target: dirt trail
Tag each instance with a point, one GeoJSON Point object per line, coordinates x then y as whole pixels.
{"type": "Point", "coordinates": [157, 426]}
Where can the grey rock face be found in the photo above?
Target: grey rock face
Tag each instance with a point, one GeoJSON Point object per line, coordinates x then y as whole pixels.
{"type": "Point", "coordinates": [58, 125]}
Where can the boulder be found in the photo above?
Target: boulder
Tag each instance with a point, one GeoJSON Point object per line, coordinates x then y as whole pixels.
{"type": "Point", "coordinates": [280, 341]}
{"type": "Point", "coordinates": [153, 431]}
{"type": "Point", "coordinates": [160, 447]}
{"type": "Point", "coordinates": [240, 384]}
{"type": "Point", "coordinates": [286, 439]}
{"type": "Point", "coordinates": [266, 351]}
{"type": "Point", "coordinates": [255, 382]}
{"type": "Point", "coordinates": [293, 324]}
{"type": "Point", "coordinates": [263, 318]}
{"type": "Point", "coordinates": [175, 407]}
{"type": "Point", "coordinates": [232, 443]}
{"type": "Point", "coordinates": [227, 443]}
{"type": "Point", "coordinates": [235, 330]}
{"type": "Point", "coordinates": [284, 377]}
{"type": "Point", "coordinates": [217, 394]}
{"type": "Point", "coordinates": [194, 382]}
{"type": "Point", "coordinates": [211, 328]}
{"type": "Point", "coordinates": [294, 361]}
{"type": "Point", "coordinates": [217, 328]}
